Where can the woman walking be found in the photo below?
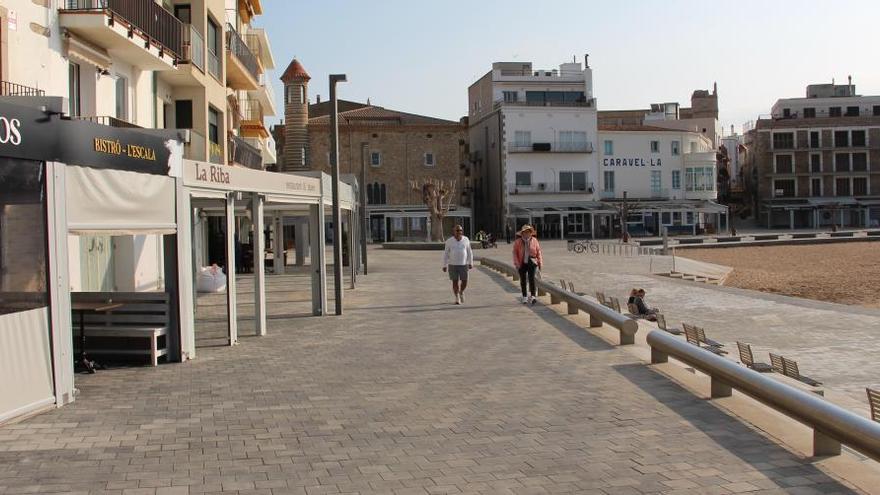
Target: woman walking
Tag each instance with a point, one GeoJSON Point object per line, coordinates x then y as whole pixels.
{"type": "Point", "coordinates": [527, 258]}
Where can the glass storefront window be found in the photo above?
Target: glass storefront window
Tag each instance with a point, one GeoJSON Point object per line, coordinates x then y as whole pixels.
{"type": "Point", "coordinates": [23, 262]}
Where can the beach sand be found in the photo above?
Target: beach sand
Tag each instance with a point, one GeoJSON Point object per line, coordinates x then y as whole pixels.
{"type": "Point", "coordinates": [846, 273]}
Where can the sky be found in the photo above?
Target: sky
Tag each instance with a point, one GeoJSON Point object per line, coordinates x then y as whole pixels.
{"type": "Point", "coordinates": [420, 56]}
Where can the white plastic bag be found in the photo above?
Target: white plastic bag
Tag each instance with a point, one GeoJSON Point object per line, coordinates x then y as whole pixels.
{"type": "Point", "coordinates": [211, 279]}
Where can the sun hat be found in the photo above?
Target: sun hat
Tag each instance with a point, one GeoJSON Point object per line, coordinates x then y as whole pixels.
{"type": "Point", "coordinates": [525, 228]}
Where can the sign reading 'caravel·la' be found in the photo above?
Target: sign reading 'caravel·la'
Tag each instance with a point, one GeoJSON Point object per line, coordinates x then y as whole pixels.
{"type": "Point", "coordinates": [631, 162]}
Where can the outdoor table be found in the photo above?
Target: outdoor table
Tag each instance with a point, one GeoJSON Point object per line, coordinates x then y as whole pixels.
{"type": "Point", "coordinates": [82, 308]}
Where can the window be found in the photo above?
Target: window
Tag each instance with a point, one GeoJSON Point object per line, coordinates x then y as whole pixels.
{"type": "Point", "coordinates": [841, 139]}
{"type": "Point", "coordinates": [376, 194]}
{"type": "Point", "coordinates": [809, 113]}
{"type": "Point", "coordinates": [688, 218]}
{"type": "Point", "coordinates": [841, 186]}
{"type": "Point", "coordinates": [523, 178]}
{"type": "Point", "coordinates": [676, 179]}
{"type": "Point", "coordinates": [859, 162]}
{"type": "Point", "coordinates": [183, 114]}
{"type": "Point", "coordinates": [786, 113]}
{"type": "Point", "coordinates": [183, 13]}
{"type": "Point", "coordinates": [860, 186]}
{"type": "Point", "coordinates": [429, 159]}
{"type": "Point", "coordinates": [510, 96]}
{"type": "Point", "coordinates": [666, 218]}
{"type": "Point", "coordinates": [656, 179]}
{"type": "Point", "coordinates": [841, 162]}
{"type": "Point", "coordinates": [215, 41]}
{"type": "Point", "coordinates": [609, 179]}
{"type": "Point", "coordinates": [876, 110]}
{"type": "Point", "coordinates": [23, 257]}
{"type": "Point", "coordinates": [572, 141]}
{"type": "Point", "coordinates": [302, 94]}
{"type": "Point", "coordinates": [609, 147]}
{"type": "Point", "coordinates": [783, 188]}
{"type": "Point", "coordinates": [815, 162]}
{"type": "Point", "coordinates": [73, 108]}
{"type": "Point", "coordinates": [214, 125]}
{"type": "Point", "coordinates": [858, 139]}
{"type": "Point", "coordinates": [675, 147]}
{"type": "Point", "coordinates": [700, 179]}
{"type": "Point", "coordinates": [693, 146]}
{"type": "Point", "coordinates": [816, 187]}
{"type": "Point", "coordinates": [834, 112]}
{"type": "Point", "coordinates": [554, 98]}
{"type": "Point", "coordinates": [784, 164]}
{"type": "Point", "coordinates": [375, 158]}
{"type": "Point", "coordinates": [814, 139]}
{"type": "Point", "coordinates": [655, 146]}
{"type": "Point", "coordinates": [121, 98]}
{"type": "Point", "coordinates": [852, 111]}
{"type": "Point", "coordinates": [572, 181]}
{"type": "Point", "coordinates": [304, 156]}
{"type": "Point", "coordinates": [522, 139]}
{"type": "Point", "coordinates": [783, 140]}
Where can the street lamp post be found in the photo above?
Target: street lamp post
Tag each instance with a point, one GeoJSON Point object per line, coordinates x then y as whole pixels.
{"type": "Point", "coordinates": [334, 169]}
{"type": "Point", "coordinates": [363, 211]}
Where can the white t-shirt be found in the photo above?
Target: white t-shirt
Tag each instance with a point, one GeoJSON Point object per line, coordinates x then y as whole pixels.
{"type": "Point", "coordinates": [458, 252]}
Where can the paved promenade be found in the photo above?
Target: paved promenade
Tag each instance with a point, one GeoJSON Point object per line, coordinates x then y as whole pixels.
{"type": "Point", "coordinates": [406, 393]}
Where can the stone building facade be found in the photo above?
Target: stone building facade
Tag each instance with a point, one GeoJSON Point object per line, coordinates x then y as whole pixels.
{"type": "Point", "coordinates": [388, 151]}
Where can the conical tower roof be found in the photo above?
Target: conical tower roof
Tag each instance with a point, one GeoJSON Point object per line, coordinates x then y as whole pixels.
{"type": "Point", "coordinates": [295, 71]}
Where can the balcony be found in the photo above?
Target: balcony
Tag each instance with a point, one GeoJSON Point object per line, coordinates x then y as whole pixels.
{"type": "Point", "coordinates": [266, 147]}
{"type": "Point", "coordinates": [193, 47]}
{"type": "Point", "coordinates": [140, 32]}
{"type": "Point", "coordinates": [251, 119]}
{"type": "Point", "coordinates": [266, 96]}
{"type": "Point", "coordinates": [242, 67]}
{"type": "Point", "coordinates": [547, 188]}
{"type": "Point", "coordinates": [551, 147]}
{"type": "Point", "coordinates": [109, 121]}
{"type": "Point", "coordinates": [12, 89]}
{"type": "Point", "coordinates": [258, 41]}
{"type": "Point", "coordinates": [243, 154]}
{"type": "Point", "coordinates": [590, 103]}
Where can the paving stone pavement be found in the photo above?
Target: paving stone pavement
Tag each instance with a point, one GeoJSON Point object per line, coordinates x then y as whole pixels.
{"type": "Point", "coordinates": [405, 393]}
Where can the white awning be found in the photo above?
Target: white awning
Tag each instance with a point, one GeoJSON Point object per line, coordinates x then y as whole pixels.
{"type": "Point", "coordinates": [117, 202]}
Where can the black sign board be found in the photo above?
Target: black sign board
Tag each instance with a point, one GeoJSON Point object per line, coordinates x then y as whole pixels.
{"type": "Point", "coordinates": [31, 133]}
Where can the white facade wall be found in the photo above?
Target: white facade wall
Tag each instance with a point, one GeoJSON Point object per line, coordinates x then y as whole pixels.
{"type": "Point", "coordinates": [635, 166]}
{"type": "Point", "coordinates": [796, 106]}
{"type": "Point", "coordinates": [35, 58]}
{"type": "Point", "coordinates": [731, 143]}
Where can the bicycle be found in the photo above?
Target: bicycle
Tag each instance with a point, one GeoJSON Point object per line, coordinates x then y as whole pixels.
{"type": "Point", "coordinates": [582, 246]}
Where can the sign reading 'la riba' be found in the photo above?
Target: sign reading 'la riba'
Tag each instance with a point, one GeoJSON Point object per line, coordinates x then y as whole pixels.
{"type": "Point", "coordinates": [631, 162]}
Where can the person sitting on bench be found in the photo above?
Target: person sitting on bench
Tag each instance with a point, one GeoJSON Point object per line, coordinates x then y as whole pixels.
{"type": "Point", "coordinates": [642, 309]}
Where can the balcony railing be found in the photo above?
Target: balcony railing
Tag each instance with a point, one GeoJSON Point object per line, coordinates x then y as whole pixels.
{"type": "Point", "coordinates": [250, 110]}
{"type": "Point", "coordinates": [520, 103]}
{"type": "Point", "coordinates": [148, 17]}
{"type": "Point", "coordinates": [193, 47]}
{"type": "Point", "coordinates": [551, 147]}
{"type": "Point", "coordinates": [239, 48]}
{"type": "Point", "coordinates": [12, 89]}
{"type": "Point", "coordinates": [546, 188]}
{"type": "Point", "coordinates": [195, 148]}
{"type": "Point", "coordinates": [244, 154]}
{"type": "Point", "coordinates": [109, 121]}
{"type": "Point", "coordinates": [214, 65]}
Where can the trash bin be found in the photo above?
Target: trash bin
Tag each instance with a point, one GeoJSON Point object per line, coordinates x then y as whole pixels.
{"type": "Point", "coordinates": [570, 244]}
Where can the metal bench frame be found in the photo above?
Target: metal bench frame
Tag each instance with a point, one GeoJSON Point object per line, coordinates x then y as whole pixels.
{"type": "Point", "coordinates": [143, 315]}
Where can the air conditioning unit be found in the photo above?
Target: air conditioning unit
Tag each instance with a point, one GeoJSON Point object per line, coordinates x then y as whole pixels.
{"type": "Point", "coordinates": [540, 146]}
{"type": "Point", "coordinates": [542, 186]}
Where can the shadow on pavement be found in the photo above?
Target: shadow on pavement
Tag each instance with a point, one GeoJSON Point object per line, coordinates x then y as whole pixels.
{"type": "Point", "coordinates": [731, 434]}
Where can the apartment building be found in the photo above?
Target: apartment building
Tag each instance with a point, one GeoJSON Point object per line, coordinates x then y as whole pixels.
{"type": "Point", "coordinates": [544, 154]}
{"type": "Point", "coordinates": [195, 68]}
{"type": "Point", "coordinates": [387, 150]}
{"type": "Point", "coordinates": [815, 162]}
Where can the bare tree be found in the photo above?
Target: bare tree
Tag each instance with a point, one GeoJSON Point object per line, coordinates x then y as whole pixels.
{"type": "Point", "coordinates": [437, 195]}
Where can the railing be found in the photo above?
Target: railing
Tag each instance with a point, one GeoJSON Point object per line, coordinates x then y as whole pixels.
{"type": "Point", "coordinates": [540, 73]}
{"type": "Point", "coordinates": [109, 121]}
{"type": "Point", "coordinates": [159, 25]}
{"type": "Point", "coordinates": [12, 89]}
{"type": "Point", "coordinates": [599, 314]}
{"type": "Point", "coordinates": [267, 85]}
{"type": "Point", "coordinates": [250, 110]}
{"type": "Point", "coordinates": [542, 188]}
{"type": "Point", "coordinates": [214, 65]}
{"type": "Point", "coordinates": [832, 425]}
{"type": "Point", "coordinates": [237, 47]}
{"type": "Point", "coordinates": [195, 148]}
{"type": "Point", "coordinates": [194, 47]}
{"type": "Point", "coordinates": [252, 40]}
{"type": "Point", "coordinates": [242, 153]}
{"type": "Point", "coordinates": [551, 147]}
{"type": "Point", "coordinates": [579, 103]}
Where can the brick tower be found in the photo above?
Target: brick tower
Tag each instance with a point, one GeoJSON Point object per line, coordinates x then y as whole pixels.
{"type": "Point", "coordinates": [296, 117]}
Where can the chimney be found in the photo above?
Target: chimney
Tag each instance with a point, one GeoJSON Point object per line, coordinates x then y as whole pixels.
{"type": "Point", "coordinates": [849, 85]}
{"type": "Point", "coordinates": [731, 130]}
{"type": "Point", "coordinates": [586, 60]}
{"type": "Point", "coordinates": [319, 98]}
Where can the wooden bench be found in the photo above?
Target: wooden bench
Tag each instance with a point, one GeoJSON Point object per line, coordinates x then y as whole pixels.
{"type": "Point", "coordinates": [692, 335]}
{"type": "Point", "coordinates": [600, 296]}
{"type": "Point", "coordinates": [747, 358]}
{"type": "Point", "coordinates": [788, 368]}
{"type": "Point", "coordinates": [615, 304]}
{"type": "Point", "coordinates": [874, 402]}
{"type": "Point", "coordinates": [571, 289]}
{"type": "Point", "coordinates": [137, 328]}
{"type": "Point", "coordinates": [661, 324]}
{"type": "Point", "coordinates": [701, 334]}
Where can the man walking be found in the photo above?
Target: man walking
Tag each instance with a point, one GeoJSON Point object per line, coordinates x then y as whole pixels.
{"type": "Point", "coordinates": [458, 258]}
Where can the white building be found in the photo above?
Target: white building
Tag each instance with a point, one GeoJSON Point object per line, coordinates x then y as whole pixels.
{"type": "Point", "coordinates": [541, 154]}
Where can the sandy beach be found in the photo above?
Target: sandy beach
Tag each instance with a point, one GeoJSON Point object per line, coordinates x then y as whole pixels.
{"type": "Point", "coordinates": [846, 273]}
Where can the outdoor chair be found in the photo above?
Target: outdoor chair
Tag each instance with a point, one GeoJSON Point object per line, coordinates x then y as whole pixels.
{"type": "Point", "coordinates": [692, 336]}
{"type": "Point", "coordinates": [571, 289]}
{"type": "Point", "coordinates": [661, 324]}
{"type": "Point", "coordinates": [615, 304]}
{"type": "Point", "coordinates": [874, 402]}
{"type": "Point", "coordinates": [600, 296]}
{"type": "Point", "coordinates": [747, 358]}
{"type": "Point", "coordinates": [790, 367]}
{"type": "Point", "coordinates": [776, 363]}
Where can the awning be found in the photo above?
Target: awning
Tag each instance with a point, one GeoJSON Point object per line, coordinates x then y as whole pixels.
{"type": "Point", "coordinates": [82, 51]}
{"type": "Point", "coordinates": [116, 202]}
